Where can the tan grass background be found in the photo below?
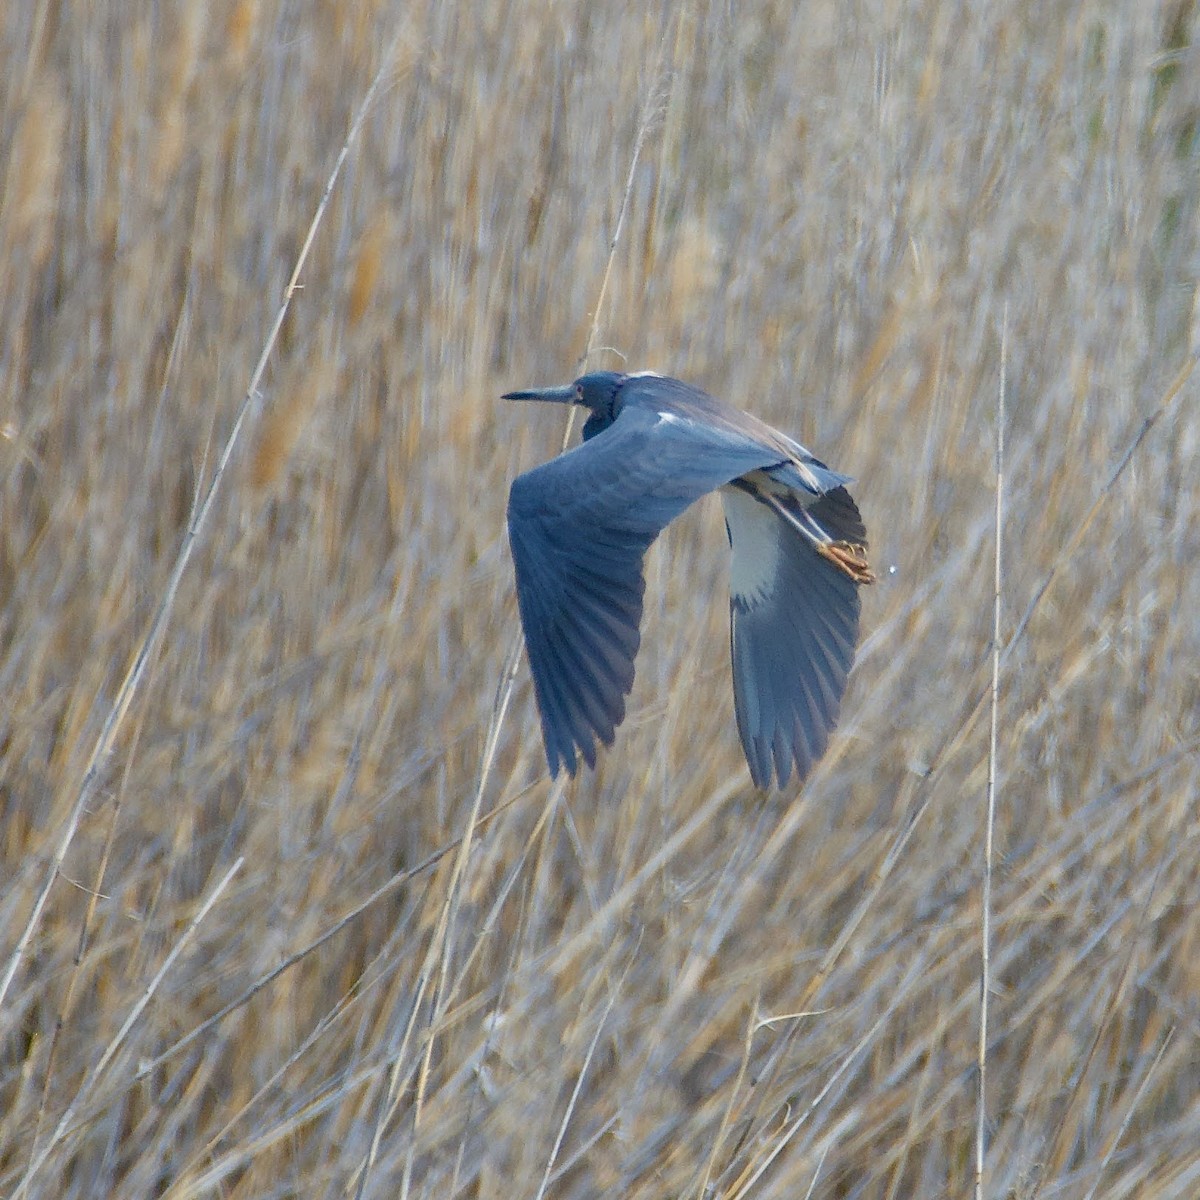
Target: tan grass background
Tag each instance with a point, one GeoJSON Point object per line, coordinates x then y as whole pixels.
{"type": "Point", "coordinates": [835, 206]}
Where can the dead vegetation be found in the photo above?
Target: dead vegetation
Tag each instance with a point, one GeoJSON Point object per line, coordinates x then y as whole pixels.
{"type": "Point", "coordinates": [654, 981]}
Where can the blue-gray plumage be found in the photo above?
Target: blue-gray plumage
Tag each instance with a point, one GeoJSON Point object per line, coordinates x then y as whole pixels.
{"type": "Point", "coordinates": [580, 526]}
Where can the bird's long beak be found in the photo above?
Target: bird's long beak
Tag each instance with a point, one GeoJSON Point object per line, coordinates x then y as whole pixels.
{"type": "Point", "coordinates": [556, 395]}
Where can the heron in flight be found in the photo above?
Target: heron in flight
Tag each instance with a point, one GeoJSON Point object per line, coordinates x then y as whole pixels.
{"type": "Point", "coordinates": [580, 525]}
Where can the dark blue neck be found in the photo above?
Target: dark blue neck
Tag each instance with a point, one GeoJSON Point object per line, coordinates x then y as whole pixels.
{"type": "Point", "coordinates": [598, 422]}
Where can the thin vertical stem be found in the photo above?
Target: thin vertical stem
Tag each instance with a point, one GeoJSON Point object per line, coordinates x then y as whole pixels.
{"type": "Point", "coordinates": [990, 822]}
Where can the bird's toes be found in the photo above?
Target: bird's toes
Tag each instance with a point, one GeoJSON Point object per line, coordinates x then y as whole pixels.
{"type": "Point", "coordinates": [850, 558]}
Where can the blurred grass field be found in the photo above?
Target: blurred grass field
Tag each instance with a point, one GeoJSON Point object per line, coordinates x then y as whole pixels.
{"type": "Point", "coordinates": [838, 212]}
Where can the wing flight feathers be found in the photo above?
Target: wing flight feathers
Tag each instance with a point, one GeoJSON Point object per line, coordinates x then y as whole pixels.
{"type": "Point", "coordinates": [579, 527]}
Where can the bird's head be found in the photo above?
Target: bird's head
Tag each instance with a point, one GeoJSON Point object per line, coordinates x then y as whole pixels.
{"type": "Point", "coordinates": [596, 390]}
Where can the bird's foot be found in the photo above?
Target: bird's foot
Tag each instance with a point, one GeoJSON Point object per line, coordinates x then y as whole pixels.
{"type": "Point", "coordinates": [850, 558]}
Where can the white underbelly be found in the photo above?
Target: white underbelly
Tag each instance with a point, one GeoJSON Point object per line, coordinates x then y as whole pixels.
{"type": "Point", "coordinates": [754, 537]}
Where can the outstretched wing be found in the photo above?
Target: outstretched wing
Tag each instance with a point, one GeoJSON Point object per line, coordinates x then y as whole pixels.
{"type": "Point", "coordinates": [793, 631]}
{"type": "Point", "coordinates": [579, 527]}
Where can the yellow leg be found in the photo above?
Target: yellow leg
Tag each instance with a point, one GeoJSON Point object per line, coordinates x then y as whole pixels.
{"type": "Point", "coordinates": [848, 557]}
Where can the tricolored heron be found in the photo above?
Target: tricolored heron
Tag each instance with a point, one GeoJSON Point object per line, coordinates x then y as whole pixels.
{"type": "Point", "coordinates": [580, 526]}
